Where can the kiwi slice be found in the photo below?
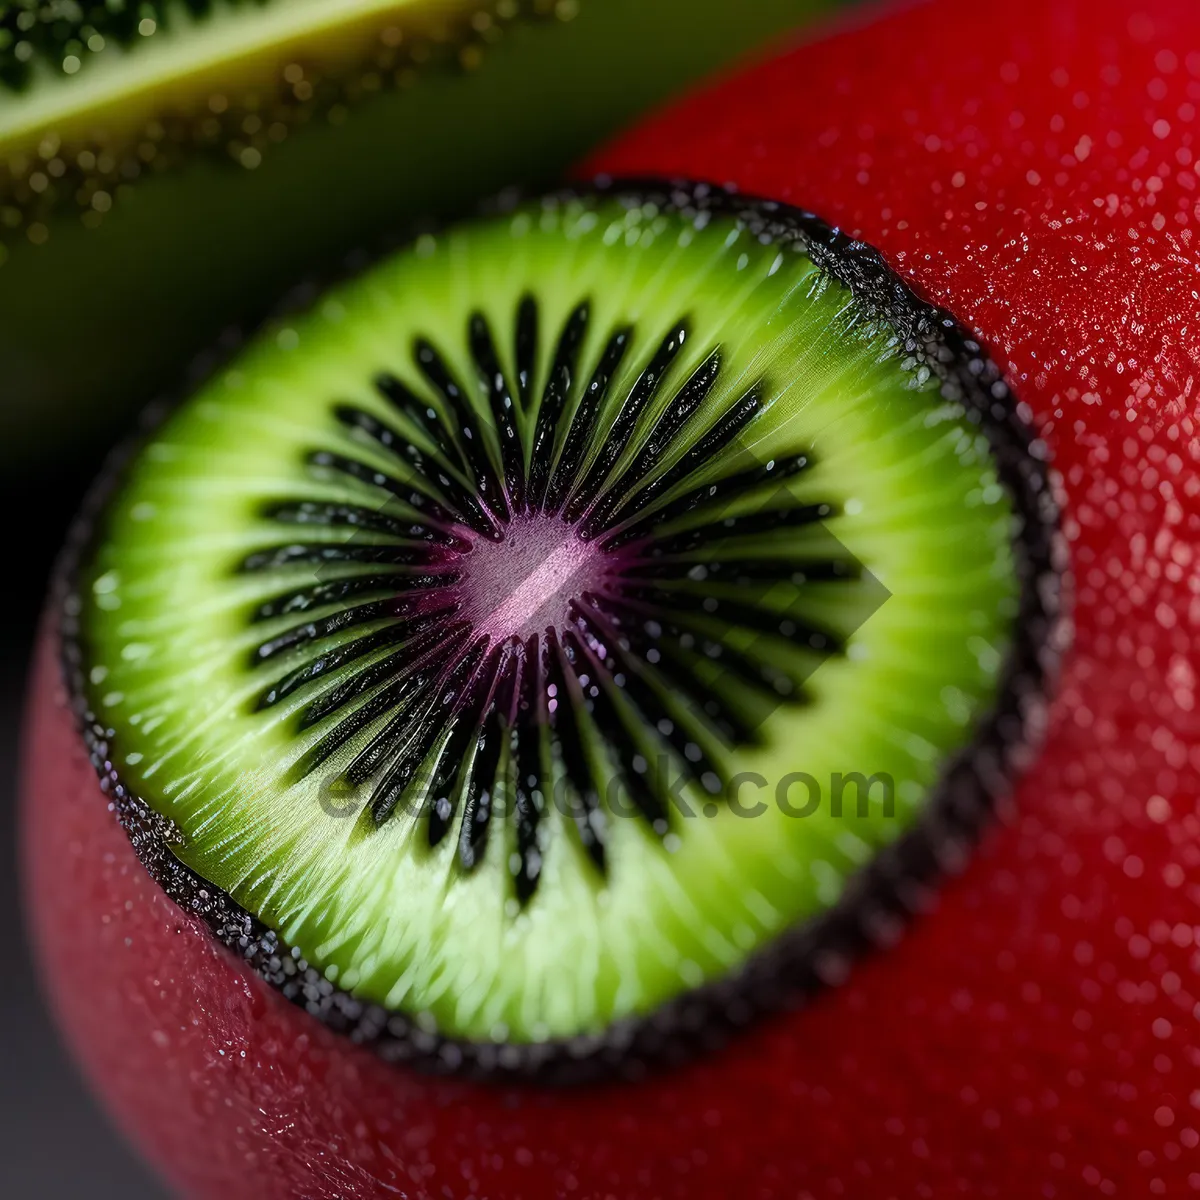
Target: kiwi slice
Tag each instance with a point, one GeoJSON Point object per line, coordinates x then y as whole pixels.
{"type": "Point", "coordinates": [580, 631]}
{"type": "Point", "coordinates": [167, 167]}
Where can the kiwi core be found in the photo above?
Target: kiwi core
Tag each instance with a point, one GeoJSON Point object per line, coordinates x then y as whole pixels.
{"type": "Point", "coordinates": [527, 582]}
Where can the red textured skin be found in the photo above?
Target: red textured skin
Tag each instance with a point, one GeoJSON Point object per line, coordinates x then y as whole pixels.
{"type": "Point", "coordinates": [1036, 1035]}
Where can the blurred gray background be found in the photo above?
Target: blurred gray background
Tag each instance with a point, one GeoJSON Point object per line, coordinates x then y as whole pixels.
{"type": "Point", "coordinates": [54, 1141]}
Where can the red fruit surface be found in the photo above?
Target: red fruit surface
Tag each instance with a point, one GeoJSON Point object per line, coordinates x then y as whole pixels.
{"type": "Point", "coordinates": [1031, 166]}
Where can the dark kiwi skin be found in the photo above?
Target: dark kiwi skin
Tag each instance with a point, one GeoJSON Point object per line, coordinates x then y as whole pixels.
{"type": "Point", "coordinates": [97, 321]}
{"type": "Point", "coordinates": [884, 894]}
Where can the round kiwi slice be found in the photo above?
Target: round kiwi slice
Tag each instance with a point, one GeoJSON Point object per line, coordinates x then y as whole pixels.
{"type": "Point", "coordinates": [167, 167]}
{"type": "Point", "coordinates": [578, 632]}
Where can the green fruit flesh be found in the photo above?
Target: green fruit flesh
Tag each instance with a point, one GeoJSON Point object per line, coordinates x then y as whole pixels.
{"type": "Point", "coordinates": [169, 183]}
{"type": "Point", "coordinates": [305, 527]}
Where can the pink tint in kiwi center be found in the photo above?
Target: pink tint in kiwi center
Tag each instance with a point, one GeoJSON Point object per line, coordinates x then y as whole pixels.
{"type": "Point", "coordinates": [526, 582]}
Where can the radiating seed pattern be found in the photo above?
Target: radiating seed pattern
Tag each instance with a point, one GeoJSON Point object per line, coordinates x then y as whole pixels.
{"type": "Point", "coordinates": [666, 651]}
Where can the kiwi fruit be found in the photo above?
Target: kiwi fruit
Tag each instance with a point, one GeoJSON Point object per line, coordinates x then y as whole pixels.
{"type": "Point", "coordinates": [168, 167]}
{"type": "Point", "coordinates": [585, 629]}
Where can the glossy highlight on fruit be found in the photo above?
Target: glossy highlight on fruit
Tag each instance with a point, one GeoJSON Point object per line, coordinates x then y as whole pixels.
{"type": "Point", "coordinates": [168, 169]}
{"type": "Point", "coordinates": [504, 575]}
{"type": "Point", "coordinates": [1033, 170]}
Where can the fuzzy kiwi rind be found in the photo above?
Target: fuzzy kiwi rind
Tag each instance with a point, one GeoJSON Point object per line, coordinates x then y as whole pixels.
{"type": "Point", "coordinates": [878, 900]}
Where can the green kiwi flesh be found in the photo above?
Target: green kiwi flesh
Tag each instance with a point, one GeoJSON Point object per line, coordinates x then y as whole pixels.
{"type": "Point", "coordinates": [169, 168]}
{"type": "Point", "coordinates": [474, 637]}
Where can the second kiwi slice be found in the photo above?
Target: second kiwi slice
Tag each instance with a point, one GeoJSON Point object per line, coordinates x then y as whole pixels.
{"type": "Point", "coordinates": [575, 634]}
{"type": "Point", "coordinates": [168, 167]}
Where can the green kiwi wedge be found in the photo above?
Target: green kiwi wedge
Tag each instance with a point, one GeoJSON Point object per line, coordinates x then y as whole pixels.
{"type": "Point", "coordinates": [168, 167]}
{"type": "Point", "coordinates": [588, 627]}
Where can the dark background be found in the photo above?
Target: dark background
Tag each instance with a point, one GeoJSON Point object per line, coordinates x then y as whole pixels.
{"type": "Point", "coordinates": [54, 1140]}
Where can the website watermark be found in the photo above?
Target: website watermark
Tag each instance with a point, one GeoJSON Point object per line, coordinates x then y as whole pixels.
{"type": "Point", "coordinates": [746, 795]}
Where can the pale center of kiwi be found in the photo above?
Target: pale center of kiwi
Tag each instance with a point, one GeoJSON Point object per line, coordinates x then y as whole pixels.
{"type": "Point", "coordinates": [527, 582]}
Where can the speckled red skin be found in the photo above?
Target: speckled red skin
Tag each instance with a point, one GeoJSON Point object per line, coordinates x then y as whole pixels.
{"type": "Point", "coordinates": [1037, 1034]}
